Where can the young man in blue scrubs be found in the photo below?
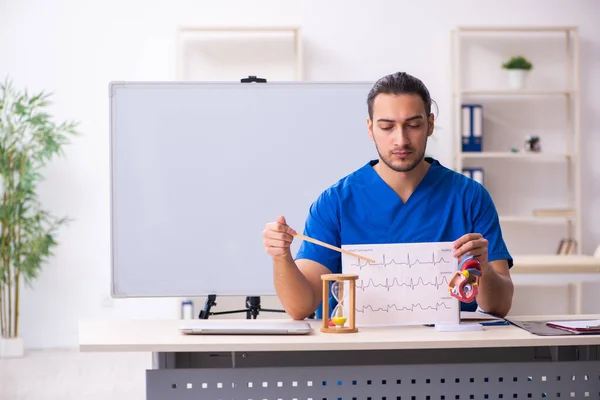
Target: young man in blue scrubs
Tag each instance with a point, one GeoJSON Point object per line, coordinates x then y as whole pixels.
{"type": "Point", "coordinates": [400, 197]}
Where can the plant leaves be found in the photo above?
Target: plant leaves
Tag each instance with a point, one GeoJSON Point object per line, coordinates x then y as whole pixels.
{"type": "Point", "coordinates": [29, 139]}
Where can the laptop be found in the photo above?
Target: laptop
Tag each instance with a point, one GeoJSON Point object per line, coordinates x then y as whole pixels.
{"type": "Point", "coordinates": [243, 327]}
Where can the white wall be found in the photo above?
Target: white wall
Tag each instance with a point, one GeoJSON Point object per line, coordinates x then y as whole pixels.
{"type": "Point", "coordinates": [74, 48]}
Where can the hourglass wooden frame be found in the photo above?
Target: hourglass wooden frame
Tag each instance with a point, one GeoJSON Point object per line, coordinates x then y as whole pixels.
{"type": "Point", "coordinates": [351, 278]}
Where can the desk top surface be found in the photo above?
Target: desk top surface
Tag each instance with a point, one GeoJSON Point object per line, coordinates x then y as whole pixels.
{"type": "Point", "coordinates": [164, 336]}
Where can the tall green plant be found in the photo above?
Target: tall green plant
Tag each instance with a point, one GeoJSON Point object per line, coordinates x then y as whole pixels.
{"type": "Point", "coordinates": [29, 139]}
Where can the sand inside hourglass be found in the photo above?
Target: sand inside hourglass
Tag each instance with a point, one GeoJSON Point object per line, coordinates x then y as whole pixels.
{"type": "Point", "coordinates": [337, 316]}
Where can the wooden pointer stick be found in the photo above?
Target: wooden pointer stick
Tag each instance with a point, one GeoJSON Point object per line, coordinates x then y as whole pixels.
{"type": "Point", "coordinates": [315, 241]}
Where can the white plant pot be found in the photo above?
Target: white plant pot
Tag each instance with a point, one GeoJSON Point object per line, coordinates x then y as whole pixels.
{"type": "Point", "coordinates": [517, 78]}
{"type": "Point", "coordinates": [11, 347]}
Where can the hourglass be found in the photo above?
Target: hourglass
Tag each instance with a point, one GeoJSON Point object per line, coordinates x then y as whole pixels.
{"type": "Point", "coordinates": [343, 290]}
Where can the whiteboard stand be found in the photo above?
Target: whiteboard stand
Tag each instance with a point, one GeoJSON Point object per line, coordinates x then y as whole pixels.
{"type": "Point", "coordinates": [252, 309]}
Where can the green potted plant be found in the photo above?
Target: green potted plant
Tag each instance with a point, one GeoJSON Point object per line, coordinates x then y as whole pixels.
{"type": "Point", "coordinates": [518, 67]}
{"type": "Point", "coordinates": [29, 139]}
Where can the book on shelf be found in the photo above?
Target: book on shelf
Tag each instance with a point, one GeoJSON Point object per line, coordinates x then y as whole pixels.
{"type": "Point", "coordinates": [472, 127]}
{"type": "Point", "coordinates": [566, 246]}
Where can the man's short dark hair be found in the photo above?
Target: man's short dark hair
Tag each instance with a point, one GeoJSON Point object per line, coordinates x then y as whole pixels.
{"type": "Point", "coordinates": [399, 83]}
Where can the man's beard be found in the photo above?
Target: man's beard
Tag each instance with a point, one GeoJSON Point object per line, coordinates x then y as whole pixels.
{"type": "Point", "coordinates": [404, 167]}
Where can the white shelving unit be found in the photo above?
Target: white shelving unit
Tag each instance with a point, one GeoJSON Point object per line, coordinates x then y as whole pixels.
{"type": "Point", "coordinates": [224, 53]}
{"type": "Point", "coordinates": [550, 98]}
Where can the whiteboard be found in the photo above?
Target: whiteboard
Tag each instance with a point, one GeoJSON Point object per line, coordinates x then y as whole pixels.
{"type": "Point", "coordinates": [198, 169]}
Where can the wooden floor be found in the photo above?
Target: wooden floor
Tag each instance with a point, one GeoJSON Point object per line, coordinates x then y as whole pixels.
{"type": "Point", "coordinates": [71, 375]}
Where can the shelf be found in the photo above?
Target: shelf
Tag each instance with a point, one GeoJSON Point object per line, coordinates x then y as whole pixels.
{"type": "Point", "coordinates": [228, 29]}
{"type": "Point", "coordinates": [230, 53]}
{"type": "Point", "coordinates": [521, 155]}
{"type": "Point", "coordinates": [531, 219]}
{"type": "Point", "coordinates": [511, 92]}
{"type": "Point", "coordinates": [516, 29]}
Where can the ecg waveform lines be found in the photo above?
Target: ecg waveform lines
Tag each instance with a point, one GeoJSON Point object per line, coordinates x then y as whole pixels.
{"type": "Point", "coordinates": [408, 262]}
{"type": "Point", "coordinates": [406, 285]}
{"type": "Point", "coordinates": [394, 307]}
{"type": "Point", "coordinates": [395, 282]}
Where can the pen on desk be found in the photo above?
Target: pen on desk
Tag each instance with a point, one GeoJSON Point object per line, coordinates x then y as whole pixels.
{"type": "Point", "coordinates": [485, 323]}
{"type": "Point", "coordinates": [495, 323]}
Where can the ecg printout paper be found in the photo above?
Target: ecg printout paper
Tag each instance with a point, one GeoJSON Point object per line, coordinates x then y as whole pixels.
{"type": "Point", "coordinates": [407, 284]}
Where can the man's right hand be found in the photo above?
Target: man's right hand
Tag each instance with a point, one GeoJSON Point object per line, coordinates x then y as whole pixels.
{"type": "Point", "coordinates": [277, 238]}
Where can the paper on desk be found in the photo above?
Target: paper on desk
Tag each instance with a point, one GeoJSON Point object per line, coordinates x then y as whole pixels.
{"type": "Point", "coordinates": [577, 324]}
{"type": "Point", "coordinates": [407, 284]}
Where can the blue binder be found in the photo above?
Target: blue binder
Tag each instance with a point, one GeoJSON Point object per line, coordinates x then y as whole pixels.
{"type": "Point", "coordinates": [472, 127]}
{"type": "Point", "coordinates": [474, 173]}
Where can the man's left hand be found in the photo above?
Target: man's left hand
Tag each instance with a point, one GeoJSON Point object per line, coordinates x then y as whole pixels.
{"type": "Point", "coordinates": [472, 244]}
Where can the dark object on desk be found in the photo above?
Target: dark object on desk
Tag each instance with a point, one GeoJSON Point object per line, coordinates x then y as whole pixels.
{"type": "Point", "coordinates": [483, 318]}
{"type": "Point", "coordinates": [540, 328]}
{"type": "Point", "coordinates": [495, 323]}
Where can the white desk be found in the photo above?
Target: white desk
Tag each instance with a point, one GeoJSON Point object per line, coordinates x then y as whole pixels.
{"type": "Point", "coordinates": [376, 363]}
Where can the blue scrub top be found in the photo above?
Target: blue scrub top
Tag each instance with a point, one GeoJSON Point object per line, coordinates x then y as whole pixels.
{"type": "Point", "coordinates": [362, 209]}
